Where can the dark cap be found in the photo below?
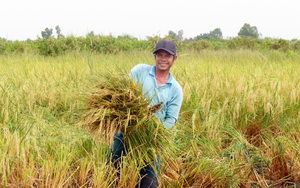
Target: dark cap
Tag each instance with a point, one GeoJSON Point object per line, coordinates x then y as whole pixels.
{"type": "Point", "coordinates": [166, 45]}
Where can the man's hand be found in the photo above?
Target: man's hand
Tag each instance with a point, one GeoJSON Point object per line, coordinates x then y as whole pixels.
{"type": "Point", "coordinates": [155, 108]}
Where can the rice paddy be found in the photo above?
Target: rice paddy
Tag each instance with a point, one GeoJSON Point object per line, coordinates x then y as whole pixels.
{"type": "Point", "coordinates": [238, 126]}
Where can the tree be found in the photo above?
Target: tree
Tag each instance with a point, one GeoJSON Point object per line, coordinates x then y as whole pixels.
{"type": "Point", "coordinates": [216, 34]}
{"type": "Point", "coordinates": [180, 35]}
{"type": "Point", "coordinates": [90, 34]}
{"type": "Point", "coordinates": [3, 39]}
{"type": "Point", "coordinates": [248, 31]}
{"type": "Point", "coordinates": [58, 32]}
{"type": "Point", "coordinates": [47, 33]}
{"type": "Point", "coordinates": [172, 35]}
{"type": "Point", "coordinates": [176, 37]}
{"type": "Point", "coordinates": [204, 36]}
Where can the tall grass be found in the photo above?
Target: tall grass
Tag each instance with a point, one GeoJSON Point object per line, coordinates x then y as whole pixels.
{"type": "Point", "coordinates": [238, 127]}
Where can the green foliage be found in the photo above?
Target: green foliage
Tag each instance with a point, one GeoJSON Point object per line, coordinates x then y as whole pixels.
{"type": "Point", "coordinates": [98, 44]}
{"type": "Point", "coordinates": [215, 34]}
{"type": "Point", "coordinates": [172, 35]}
{"type": "Point", "coordinates": [2, 46]}
{"type": "Point", "coordinates": [199, 45]}
{"type": "Point", "coordinates": [242, 43]}
{"type": "Point", "coordinates": [58, 32]}
{"type": "Point", "coordinates": [153, 40]}
{"type": "Point", "coordinates": [204, 36]}
{"type": "Point", "coordinates": [218, 44]}
{"type": "Point", "coordinates": [49, 47]}
{"type": "Point", "coordinates": [295, 45]}
{"type": "Point", "coordinates": [47, 33]}
{"type": "Point", "coordinates": [111, 45]}
{"type": "Point", "coordinates": [280, 44]}
{"type": "Point", "coordinates": [72, 43]}
{"type": "Point", "coordinates": [7, 47]}
{"type": "Point", "coordinates": [104, 44]}
{"type": "Point", "coordinates": [248, 31]}
{"type": "Point", "coordinates": [175, 37]}
{"type": "Point", "coordinates": [3, 39]}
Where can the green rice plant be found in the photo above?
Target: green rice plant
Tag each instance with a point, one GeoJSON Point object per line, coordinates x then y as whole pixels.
{"type": "Point", "coordinates": [238, 126]}
{"type": "Point", "coordinates": [207, 172]}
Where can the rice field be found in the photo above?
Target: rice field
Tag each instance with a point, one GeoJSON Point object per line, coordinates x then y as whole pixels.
{"type": "Point", "coordinates": [238, 126]}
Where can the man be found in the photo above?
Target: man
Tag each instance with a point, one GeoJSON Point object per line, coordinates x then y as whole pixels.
{"type": "Point", "coordinates": [158, 84]}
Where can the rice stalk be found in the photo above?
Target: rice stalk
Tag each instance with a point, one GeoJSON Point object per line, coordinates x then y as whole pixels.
{"type": "Point", "coordinates": [116, 103]}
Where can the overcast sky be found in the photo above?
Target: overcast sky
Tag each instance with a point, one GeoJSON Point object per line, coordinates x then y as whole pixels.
{"type": "Point", "coordinates": [23, 19]}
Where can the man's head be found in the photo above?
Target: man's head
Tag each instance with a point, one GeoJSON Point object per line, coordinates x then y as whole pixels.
{"type": "Point", "coordinates": [165, 55]}
{"type": "Point", "coordinates": [167, 46]}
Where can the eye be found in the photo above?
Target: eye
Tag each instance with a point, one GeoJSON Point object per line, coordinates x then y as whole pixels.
{"type": "Point", "coordinates": [160, 55]}
{"type": "Point", "coordinates": [169, 56]}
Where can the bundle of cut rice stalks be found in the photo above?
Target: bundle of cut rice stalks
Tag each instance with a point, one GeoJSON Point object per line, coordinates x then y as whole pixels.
{"type": "Point", "coordinates": [116, 103]}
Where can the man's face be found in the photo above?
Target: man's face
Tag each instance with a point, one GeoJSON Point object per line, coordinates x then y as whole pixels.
{"type": "Point", "coordinates": [164, 60]}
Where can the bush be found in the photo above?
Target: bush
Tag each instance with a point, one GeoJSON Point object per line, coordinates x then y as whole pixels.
{"type": "Point", "coordinates": [280, 44]}
{"type": "Point", "coordinates": [295, 45]}
{"type": "Point", "coordinates": [242, 43]}
{"type": "Point", "coordinates": [218, 44]}
{"type": "Point", "coordinates": [49, 47]}
{"type": "Point", "coordinates": [110, 44]}
{"type": "Point", "coordinates": [198, 45]}
{"type": "Point", "coordinates": [12, 47]}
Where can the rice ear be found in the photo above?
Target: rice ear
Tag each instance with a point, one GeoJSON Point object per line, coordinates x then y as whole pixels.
{"type": "Point", "coordinates": [116, 103]}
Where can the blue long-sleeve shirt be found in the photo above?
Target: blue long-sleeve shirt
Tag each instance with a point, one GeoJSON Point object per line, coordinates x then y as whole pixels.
{"type": "Point", "coordinates": [170, 94]}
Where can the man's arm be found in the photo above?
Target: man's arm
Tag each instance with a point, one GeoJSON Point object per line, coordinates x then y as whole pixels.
{"type": "Point", "coordinates": [173, 109]}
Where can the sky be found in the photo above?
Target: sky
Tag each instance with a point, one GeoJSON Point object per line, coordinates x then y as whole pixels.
{"type": "Point", "coordinates": [25, 19]}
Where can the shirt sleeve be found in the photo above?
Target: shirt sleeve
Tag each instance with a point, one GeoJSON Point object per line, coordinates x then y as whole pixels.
{"type": "Point", "coordinates": [169, 122]}
{"type": "Point", "coordinates": [173, 109]}
{"type": "Point", "coordinates": [136, 73]}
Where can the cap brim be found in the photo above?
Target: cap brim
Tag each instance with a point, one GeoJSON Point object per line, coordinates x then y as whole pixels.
{"type": "Point", "coordinates": [170, 52]}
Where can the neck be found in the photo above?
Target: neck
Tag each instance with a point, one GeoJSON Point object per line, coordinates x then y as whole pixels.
{"type": "Point", "coordinates": [162, 77]}
{"type": "Point", "coordinates": [161, 73]}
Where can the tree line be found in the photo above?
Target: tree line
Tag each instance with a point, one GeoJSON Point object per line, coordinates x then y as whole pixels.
{"type": "Point", "coordinates": [246, 31]}
{"type": "Point", "coordinates": [50, 45]}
